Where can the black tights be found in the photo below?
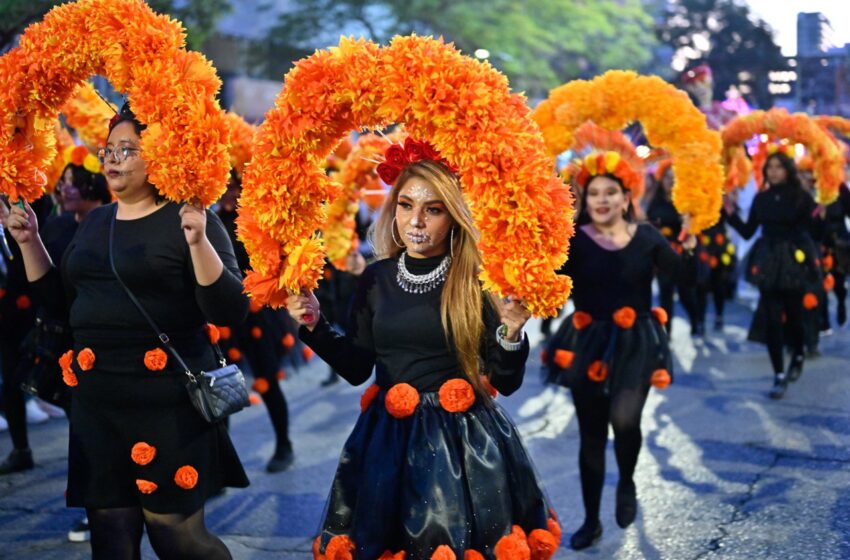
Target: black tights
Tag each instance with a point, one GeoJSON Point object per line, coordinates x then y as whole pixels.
{"type": "Point", "coordinates": [14, 403]}
{"type": "Point", "coordinates": [840, 292]}
{"type": "Point", "coordinates": [717, 287]}
{"type": "Point", "coordinates": [116, 534]}
{"type": "Point", "coordinates": [779, 333]}
{"type": "Point", "coordinates": [275, 403]}
{"type": "Point", "coordinates": [594, 412]}
{"type": "Point", "coordinates": [687, 297]}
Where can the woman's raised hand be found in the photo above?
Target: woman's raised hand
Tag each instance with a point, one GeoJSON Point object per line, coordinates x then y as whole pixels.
{"type": "Point", "coordinates": [304, 309]}
{"type": "Point", "coordinates": [21, 222]}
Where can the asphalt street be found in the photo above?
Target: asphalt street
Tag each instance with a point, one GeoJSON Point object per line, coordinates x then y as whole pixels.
{"type": "Point", "coordinates": [725, 473]}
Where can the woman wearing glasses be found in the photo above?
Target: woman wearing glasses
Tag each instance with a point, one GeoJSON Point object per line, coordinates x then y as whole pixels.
{"type": "Point", "coordinates": [140, 456]}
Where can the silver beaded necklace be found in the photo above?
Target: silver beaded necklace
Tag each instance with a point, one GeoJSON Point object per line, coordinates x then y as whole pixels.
{"type": "Point", "coordinates": [421, 283]}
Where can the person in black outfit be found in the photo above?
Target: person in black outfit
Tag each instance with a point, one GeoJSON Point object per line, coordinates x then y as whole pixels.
{"type": "Point", "coordinates": [782, 263]}
{"type": "Point", "coordinates": [433, 461]}
{"type": "Point", "coordinates": [834, 238]}
{"type": "Point", "coordinates": [140, 455]}
{"type": "Point", "coordinates": [614, 345]}
{"type": "Point", "coordinates": [721, 259]}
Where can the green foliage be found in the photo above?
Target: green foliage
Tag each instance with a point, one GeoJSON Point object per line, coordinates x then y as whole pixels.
{"type": "Point", "coordinates": [15, 15]}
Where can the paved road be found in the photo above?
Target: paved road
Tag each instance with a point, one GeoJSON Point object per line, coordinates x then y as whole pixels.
{"type": "Point", "coordinates": [725, 473]}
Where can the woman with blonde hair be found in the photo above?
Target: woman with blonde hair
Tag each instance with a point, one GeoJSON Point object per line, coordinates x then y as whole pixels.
{"type": "Point", "coordinates": [433, 468]}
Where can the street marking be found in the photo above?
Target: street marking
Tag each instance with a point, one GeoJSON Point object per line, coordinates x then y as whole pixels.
{"type": "Point", "coordinates": [557, 414]}
{"type": "Point", "coordinates": [780, 436]}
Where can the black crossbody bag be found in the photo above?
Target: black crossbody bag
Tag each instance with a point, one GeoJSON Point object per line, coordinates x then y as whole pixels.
{"type": "Point", "coordinates": [215, 394]}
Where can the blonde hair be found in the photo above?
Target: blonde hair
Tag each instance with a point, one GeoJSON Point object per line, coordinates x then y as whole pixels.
{"type": "Point", "coordinates": [462, 294]}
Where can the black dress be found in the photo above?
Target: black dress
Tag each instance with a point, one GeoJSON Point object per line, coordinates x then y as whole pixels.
{"type": "Point", "coordinates": [120, 402]}
{"type": "Point", "coordinates": [609, 288]}
{"type": "Point", "coordinates": [421, 476]}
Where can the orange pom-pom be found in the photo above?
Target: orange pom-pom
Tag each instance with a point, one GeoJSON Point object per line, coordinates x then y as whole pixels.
{"type": "Point", "coordinates": [85, 359]}
{"type": "Point", "coordinates": [456, 395]}
{"type": "Point", "coordinates": [307, 353]}
{"type": "Point", "coordinates": [542, 543]}
{"type": "Point", "coordinates": [340, 547]}
{"type": "Point", "coordinates": [23, 303]}
{"type": "Point", "coordinates": [444, 552]}
{"type": "Point", "coordinates": [254, 399]}
{"type": "Point", "coordinates": [368, 396]}
{"type": "Point", "coordinates": [387, 555]}
{"type": "Point", "coordinates": [281, 375]}
{"type": "Point", "coordinates": [828, 282]}
{"type": "Point", "coordinates": [810, 301]}
{"type": "Point", "coordinates": [544, 357]}
{"type": "Point", "coordinates": [625, 317]}
{"type": "Point", "coordinates": [186, 477]}
{"type": "Point", "coordinates": [146, 486]}
{"type": "Point", "coordinates": [234, 354]}
{"type": "Point", "coordinates": [712, 262]}
{"type": "Point", "coordinates": [581, 319]}
{"type": "Point", "coordinates": [256, 333]}
{"type": "Point", "coordinates": [70, 378]}
{"type": "Point", "coordinates": [720, 239]}
{"type": "Point", "coordinates": [261, 386]}
{"type": "Point", "coordinates": [78, 155]}
{"type": "Point", "coordinates": [554, 528]}
{"type": "Point", "coordinates": [660, 379]}
{"type": "Point", "coordinates": [472, 555]}
{"type": "Point", "coordinates": [213, 333]}
{"type": "Point", "coordinates": [754, 270]}
{"type": "Point", "coordinates": [401, 400]}
{"type": "Point", "coordinates": [828, 263]}
{"type": "Point", "coordinates": [288, 341]}
{"type": "Point", "coordinates": [224, 332]}
{"type": "Point", "coordinates": [597, 371]}
{"type": "Point", "coordinates": [564, 358]}
{"type": "Point", "coordinates": [142, 453]}
{"type": "Point", "coordinates": [317, 544]}
{"type": "Point", "coordinates": [660, 315]}
{"type": "Point", "coordinates": [156, 359]}
{"type": "Point", "coordinates": [66, 360]}
{"type": "Point", "coordinates": [512, 547]}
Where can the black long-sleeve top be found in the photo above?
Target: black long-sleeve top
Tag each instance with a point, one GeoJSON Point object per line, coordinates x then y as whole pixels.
{"type": "Point", "coordinates": [152, 257]}
{"type": "Point", "coordinates": [662, 214]}
{"type": "Point", "coordinates": [605, 280]}
{"type": "Point", "coordinates": [401, 335]}
{"type": "Point", "coordinates": [781, 210]}
{"type": "Point", "coordinates": [832, 226]}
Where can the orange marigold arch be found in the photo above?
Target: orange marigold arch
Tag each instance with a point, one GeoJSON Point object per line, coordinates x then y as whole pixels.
{"type": "Point", "coordinates": [88, 114]}
{"type": "Point", "coordinates": [799, 128]}
{"type": "Point", "coordinates": [669, 119]}
{"type": "Point", "coordinates": [172, 90]}
{"type": "Point", "coordinates": [461, 106]}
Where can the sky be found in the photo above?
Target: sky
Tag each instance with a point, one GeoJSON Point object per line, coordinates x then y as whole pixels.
{"type": "Point", "coordinates": [781, 15]}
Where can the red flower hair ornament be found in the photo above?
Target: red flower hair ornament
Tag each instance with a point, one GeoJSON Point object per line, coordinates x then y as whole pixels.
{"type": "Point", "coordinates": [398, 156]}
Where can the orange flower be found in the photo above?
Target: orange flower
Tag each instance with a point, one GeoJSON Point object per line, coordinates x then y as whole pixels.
{"type": "Point", "coordinates": [257, 333]}
{"type": "Point", "coordinates": [213, 333]}
{"type": "Point", "coordinates": [443, 552]}
{"type": "Point", "coordinates": [564, 358]}
{"type": "Point", "coordinates": [145, 486]}
{"type": "Point", "coordinates": [317, 543]}
{"type": "Point", "coordinates": [70, 378]}
{"type": "Point", "coordinates": [78, 155]}
{"type": "Point", "coordinates": [472, 555]}
{"type": "Point", "coordinates": [66, 360]}
{"type": "Point", "coordinates": [254, 399]}
{"type": "Point", "coordinates": [810, 301]}
{"type": "Point", "coordinates": [186, 477]}
{"type": "Point", "coordinates": [401, 400]}
{"type": "Point", "coordinates": [660, 315]}
{"type": "Point", "coordinates": [542, 543]}
{"type": "Point", "coordinates": [456, 395]}
{"type": "Point", "coordinates": [224, 332]}
{"type": "Point", "coordinates": [625, 317]}
{"type": "Point", "coordinates": [554, 528]}
{"type": "Point", "coordinates": [544, 357]}
{"type": "Point", "coordinates": [712, 262]}
{"type": "Point", "coordinates": [368, 396]}
{"type": "Point", "coordinates": [142, 453]}
{"type": "Point", "coordinates": [261, 386]}
{"type": "Point", "coordinates": [387, 555]}
{"type": "Point", "coordinates": [307, 353]}
{"type": "Point", "coordinates": [288, 341]}
{"type": "Point", "coordinates": [597, 371]}
{"type": "Point", "coordinates": [828, 282]}
{"type": "Point", "coordinates": [513, 547]}
{"type": "Point", "coordinates": [89, 116]}
{"type": "Point", "coordinates": [254, 306]}
{"type": "Point", "coordinates": [660, 379]}
{"type": "Point", "coordinates": [340, 547]}
{"type": "Point", "coordinates": [85, 359]}
{"type": "Point", "coordinates": [581, 319]}
{"type": "Point", "coordinates": [828, 263]}
{"type": "Point", "coordinates": [281, 375]}
{"type": "Point", "coordinates": [234, 354]}
{"type": "Point", "coordinates": [719, 238]}
{"type": "Point", "coordinates": [156, 359]}
{"type": "Point", "coordinates": [23, 302]}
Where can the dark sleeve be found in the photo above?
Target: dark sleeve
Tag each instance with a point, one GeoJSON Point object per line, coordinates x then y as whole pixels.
{"type": "Point", "coordinates": [351, 355]}
{"type": "Point", "coordinates": [844, 199]}
{"type": "Point", "coordinates": [667, 262]}
{"type": "Point", "coordinates": [747, 229]}
{"type": "Point", "coordinates": [222, 302]}
{"type": "Point", "coordinates": [505, 368]}
{"type": "Point", "coordinates": [50, 293]}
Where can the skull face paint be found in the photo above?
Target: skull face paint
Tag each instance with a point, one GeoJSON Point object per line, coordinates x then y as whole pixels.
{"type": "Point", "coordinates": [423, 221]}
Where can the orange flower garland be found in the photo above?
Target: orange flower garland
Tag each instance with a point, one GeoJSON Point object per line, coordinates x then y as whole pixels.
{"type": "Point", "coordinates": [241, 142]}
{"type": "Point", "coordinates": [171, 90]}
{"type": "Point", "coordinates": [186, 477]}
{"type": "Point", "coordinates": [669, 119]}
{"type": "Point", "coordinates": [401, 400]}
{"type": "Point", "coordinates": [456, 395]}
{"type": "Point", "coordinates": [88, 115]}
{"type": "Point", "coordinates": [462, 107]}
{"type": "Point", "coordinates": [799, 128]}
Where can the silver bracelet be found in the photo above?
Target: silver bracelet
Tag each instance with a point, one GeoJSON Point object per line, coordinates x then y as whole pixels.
{"type": "Point", "coordinates": [505, 343]}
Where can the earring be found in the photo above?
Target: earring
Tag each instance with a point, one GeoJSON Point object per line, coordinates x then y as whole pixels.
{"type": "Point", "coordinates": [392, 232]}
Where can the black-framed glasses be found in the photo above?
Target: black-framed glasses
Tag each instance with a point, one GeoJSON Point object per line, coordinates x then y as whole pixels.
{"type": "Point", "coordinates": [117, 155]}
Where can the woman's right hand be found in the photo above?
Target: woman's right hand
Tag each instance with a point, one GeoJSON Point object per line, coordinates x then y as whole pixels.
{"type": "Point", "coordinates": [21, 223]}
{"type": "Point", "coordinates": [304, 309]}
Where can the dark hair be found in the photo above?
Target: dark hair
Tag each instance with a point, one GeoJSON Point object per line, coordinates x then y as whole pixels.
{"type": "Point", "coordinates": [792, 178]}
{"type": "Point", "coordinates": [127, 115]}
{"type": "Point", "coordinates": [92, 186]}
{"type": "Point", "coordinates": [584, 216]}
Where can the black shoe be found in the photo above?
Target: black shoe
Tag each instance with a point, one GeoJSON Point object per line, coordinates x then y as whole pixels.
{"type": "Point", "coordinates": [718, 324]}
{"type": "Point", "coordinates": [780, 385]}
{"type": "Point", "coordinates": [698, 330]}
{"type": "Point", "coordinates": [332, 378]}
{"type": "Point", "coordinates": [280, 461]}
{"type": "Point", "coordinates": [586, 536]}
{"type": "Point", "coordinates": [17, 461]}
{"type": "Point", "coordinates": [795, 369]}
{"type": "Point", "coordinates": [81, 532]}
{"type": "Point", "coordinates": [626, 503]}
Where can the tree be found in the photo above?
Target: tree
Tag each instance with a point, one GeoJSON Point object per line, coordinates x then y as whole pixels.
{"type": "Point", "coordinates": [724, 34]}
{"type": "Point", "coordinates": [15, 15]}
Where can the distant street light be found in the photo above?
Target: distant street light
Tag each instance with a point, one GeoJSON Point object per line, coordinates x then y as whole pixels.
{"type": "Point", "coordinates": [482, 54]}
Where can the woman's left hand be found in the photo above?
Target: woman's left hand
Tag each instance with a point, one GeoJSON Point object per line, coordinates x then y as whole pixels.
{"type": "Point", "coordinates": [514, 316]}
{"type": "Point", "coordinates": [689, 240]}
{"type": "Point", "coordinates": [193, 220]}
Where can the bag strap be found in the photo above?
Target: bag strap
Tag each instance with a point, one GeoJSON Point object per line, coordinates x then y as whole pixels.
{"type": "Point", "coordinates": [159, 333]}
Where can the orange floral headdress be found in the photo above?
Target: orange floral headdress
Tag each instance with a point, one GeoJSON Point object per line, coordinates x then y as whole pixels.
{"type": "Point", "coordinates": [612, 154]}
{"type": "Point", "coordinates": [466, 111]}
{"type": "Point", "coordinates": [172, 90]}
{"type": "Point", "coordinates": [670, 122]}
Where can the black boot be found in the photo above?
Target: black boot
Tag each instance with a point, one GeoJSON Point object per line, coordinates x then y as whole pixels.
{"type": "Point", "coordinates": [626, 503]}
{"type": "Point", "coordinates": [795, 368]}
{"type": "Point", "coordinates": [842, 314]}
{"type": "Point", "coordinates": [587, 535]}
{"type": "Point", "coordinates": [780, 384]}
{"type": "Point", "coordinates": [281, 460]}
{"type": "Point", "coordinates": [17, 461]}
{"type": "Point", "coordinates": [718, 324]}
